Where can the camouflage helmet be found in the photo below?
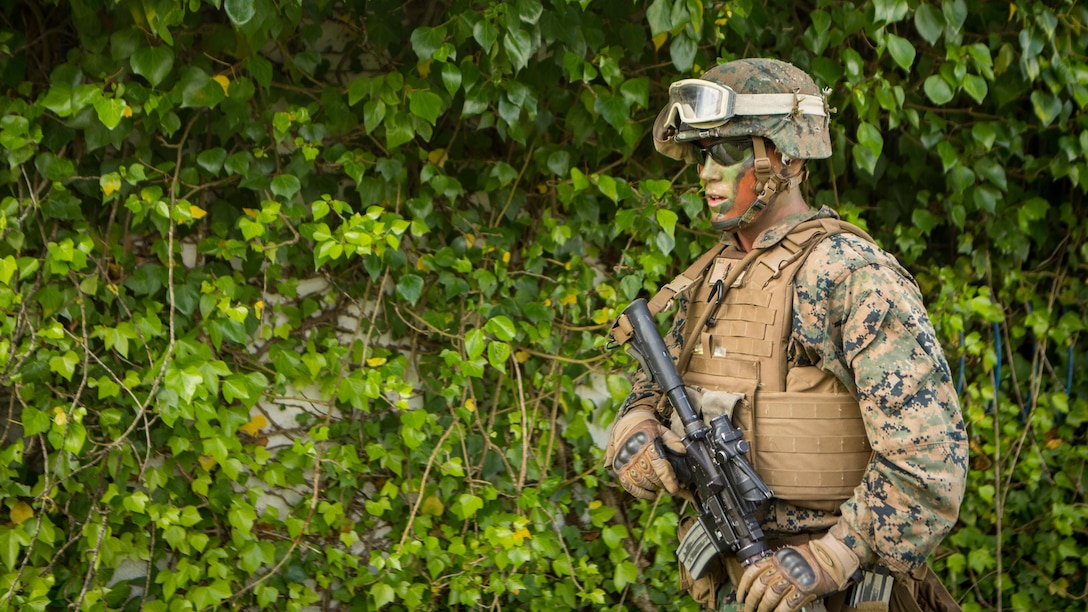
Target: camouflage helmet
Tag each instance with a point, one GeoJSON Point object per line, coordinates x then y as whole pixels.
{"type": "Point", "coordinates": [755, 97]}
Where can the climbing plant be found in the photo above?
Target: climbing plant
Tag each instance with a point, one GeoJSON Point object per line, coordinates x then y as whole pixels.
{"type": "Point", "coordinates": [304, 305]}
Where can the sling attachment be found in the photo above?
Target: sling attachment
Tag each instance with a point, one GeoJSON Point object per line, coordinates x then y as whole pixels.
{"type": "Point", "coordinates": [621, 330]}
{"type": "Point", "coordinates": [726, 283]}
{"type": "Point", "coordinates": [716, 295]}
{"type": "Point", "coordinates": [662, 300]}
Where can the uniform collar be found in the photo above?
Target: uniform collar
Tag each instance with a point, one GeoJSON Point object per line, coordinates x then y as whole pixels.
{"type": "Point", "coordinates": [777, 232]}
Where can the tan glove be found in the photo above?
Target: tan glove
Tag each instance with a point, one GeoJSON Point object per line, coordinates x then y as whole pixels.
{"type": "Point", "coordinates": [633, 455]}
{"type": "Point", "coordinates": [796, 575]}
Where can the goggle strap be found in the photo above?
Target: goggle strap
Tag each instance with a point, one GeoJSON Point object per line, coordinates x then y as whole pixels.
{"type": "Point", "coordinates": [779, 104]}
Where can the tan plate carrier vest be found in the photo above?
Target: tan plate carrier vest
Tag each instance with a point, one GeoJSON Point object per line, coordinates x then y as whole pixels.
{"type": "Point", "coordinates": [805, 429]}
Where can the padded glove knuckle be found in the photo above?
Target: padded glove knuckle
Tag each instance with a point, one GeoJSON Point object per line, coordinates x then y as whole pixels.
{"type": "Point", "coordinates": [630, 448]}
{"type": "Point", "coordinates": [632, 454]}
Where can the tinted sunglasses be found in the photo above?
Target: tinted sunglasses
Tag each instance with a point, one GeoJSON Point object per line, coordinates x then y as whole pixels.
{"type": "Point", "coordinates": [727, 152]}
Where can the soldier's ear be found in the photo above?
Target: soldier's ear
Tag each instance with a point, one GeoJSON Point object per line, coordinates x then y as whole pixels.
{"type": "Point", "coordinates": [783, 163]}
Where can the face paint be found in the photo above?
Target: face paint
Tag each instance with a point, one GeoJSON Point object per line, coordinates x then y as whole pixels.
{"type": "Point", "coordinates": [729, 190]}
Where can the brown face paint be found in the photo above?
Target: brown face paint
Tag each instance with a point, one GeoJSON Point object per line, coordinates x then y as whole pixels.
{"type": "Point", "coordinates": [729, 190]}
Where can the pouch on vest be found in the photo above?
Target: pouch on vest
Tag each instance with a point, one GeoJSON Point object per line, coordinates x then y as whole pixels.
{"type": "Point", "coordinates": [808, 438]}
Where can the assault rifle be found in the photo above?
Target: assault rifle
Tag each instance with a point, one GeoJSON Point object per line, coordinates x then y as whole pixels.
{"type": "Point", "coordinates": [726, 489]}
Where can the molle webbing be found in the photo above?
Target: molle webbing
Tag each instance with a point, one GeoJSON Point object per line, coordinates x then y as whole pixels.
{"type": "Point", "coordinates": [811, 446]}
{"type": "Point", "coordinates": [662, 300]}
{"type": "Point", "coordinates": [808, 439]}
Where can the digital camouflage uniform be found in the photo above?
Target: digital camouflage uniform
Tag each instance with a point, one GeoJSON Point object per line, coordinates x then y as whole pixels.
{"type": "Point", "coordinates": [857, 314]}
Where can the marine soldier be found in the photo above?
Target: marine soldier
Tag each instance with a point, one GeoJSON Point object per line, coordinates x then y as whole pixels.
{"type": "Point", "coordinates": [818, 345]}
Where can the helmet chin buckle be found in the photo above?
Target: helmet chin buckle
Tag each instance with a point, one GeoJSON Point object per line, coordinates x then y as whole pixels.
{"type": "Point", "coordinates": [768, 184]}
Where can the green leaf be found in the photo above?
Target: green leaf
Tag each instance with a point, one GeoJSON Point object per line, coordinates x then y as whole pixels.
{"type": "Point", "coordinates": [485, 34]}
{"type": "Point", "coordinates": [519, 46]}
{"type": "Point", "coordinates": [425, 104]}
{"type": "Point", "coordinates": [984, 134]}
{"type": "Point", "coordinates": [559, 163]}
{"type": "Point", "coordinates": [901, 51]}
{"type": "Point", "coordinates": [475, 342]}
{"type": "Point", "coordinates": [467, 505]}
{"type": "Point", "coordinates": [981, 560]}
{"type": "Point", "coordinates": [864, 158]}
{"type": "Point", "coordinates": [682, 50]}
{"type": "Point", "coordinates": [889, 11]}
{"type": "Point", "coordinates": [497, 355]}
{"type": "Point", "coordinates": [240, 11]}
{"type": "Point", "coordinates": [955, 13]}
{"type": "Point", "coordinates": [657, 187]}
{"type": "Point", "coordinates": [608, 187]}
{"type": "Point", "coordinates": [501, 327]}
{"type": "Point", "coordinates": [253, 556]}
{"type": "Point", "coordinates": [626, 573]}
{"type": "Point", "coordinates": [658, 16]}
{"type": "Point", "coordinates": [930, 22]}
{"type": "Point", "coordinates": [153, 63]}
{"type": "Point", "coordinates": [8, 266]}
{"type": "Point", "coordinates": [665, 243]}
{"type": "Point", "coordinates": [373, 114]}
{"type": "Point", "coordinates": [236, 387]}
{"type": "Point", "coordinates": [268, 595]}
{"type": "Point", "coordinates": [578, 179]}
{"type": "Point", "coordinates": [1046, 105]}
{"type": "Point", "coordinates": [398, 130]}
{"type": "Point", "coordinates": [65, 364]}
{"type": "Point", "coordinates": [451, 78]}
{"type": "Point", "coordinates": [667, 220]}
{"type": "Point", "coordinates": [976, 87]}
{"type": "Point", "coordinates": [9, 547]}
{"type": "Point", "coordinates": [410, 288]}
{"type": "Point", "coordinates": [260, 68]}
{"type": "Point", "coordinates": [212, 159]}
{"type": "Point", "coordinates": [35, 421]}
{"type": "Point", "coordinates": [242, 516]}
{"type": "Point", "coordinates": [937, 89]}
{"type": "Point", "coordinates": [198, 89]}
{"type": "Point", "coordinates": [286, 186]}
{"type": "Point", "coordinates": [636, 92]}
{"type": "Point", "coordinates": [382, 594]}
{"type": "Point", "coordinates": [74, 437]}
{"type": "Point", "coordinates": [614, 109]}
{"type": "Point", "coordinates": [869, 136]}
{"type": "Point", "coordinates": [136, 503]}
{"type": "Point", "coordinates": [529, 11]}
{"type": "Point", "coordinates": [993, 172]}
{"type": "Point", "coordinates": [109, 111]}
{"type": "Point", "coordinates": [425, 41]}
{"type": "Point", "coordinates": [175, 537]}
{"type": "Point", "coordinates": [818, 33]}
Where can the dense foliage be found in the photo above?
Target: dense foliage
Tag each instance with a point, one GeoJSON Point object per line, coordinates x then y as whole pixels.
{"type": "Point", "coordinates": [303, 304]}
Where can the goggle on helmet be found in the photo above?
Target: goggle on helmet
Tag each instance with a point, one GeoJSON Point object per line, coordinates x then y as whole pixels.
{"type": "Point", "coordinates": [743, 99]}
{"type": "Point", "coordinates": [706, 104]}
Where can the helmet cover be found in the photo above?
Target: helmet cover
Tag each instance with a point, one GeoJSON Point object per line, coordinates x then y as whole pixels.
{"type": "Point", "coordinates": [800, 133]}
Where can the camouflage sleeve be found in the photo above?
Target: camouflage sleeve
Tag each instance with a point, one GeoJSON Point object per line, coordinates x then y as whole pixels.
{"type": "Point", "coordinates": [860, 316]}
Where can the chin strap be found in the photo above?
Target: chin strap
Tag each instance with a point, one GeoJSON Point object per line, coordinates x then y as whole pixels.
{"type": "Point", "coordinates": [768, 184]}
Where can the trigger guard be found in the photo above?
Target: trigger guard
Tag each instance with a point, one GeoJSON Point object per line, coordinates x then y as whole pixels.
{"type": "Point", "coordinates": [676, 460]}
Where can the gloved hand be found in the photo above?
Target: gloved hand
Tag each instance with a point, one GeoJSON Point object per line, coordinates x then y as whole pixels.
{"type": "Point", "coordinates": [796, 575]}
{"type": "Point", "coordinates": [633, 455]}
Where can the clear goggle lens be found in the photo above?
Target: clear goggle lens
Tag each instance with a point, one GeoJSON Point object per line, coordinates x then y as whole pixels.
{"type": "Point", "coordinates": [700, 103]}
{"type": "Point", "coordinates": [727, 152]}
